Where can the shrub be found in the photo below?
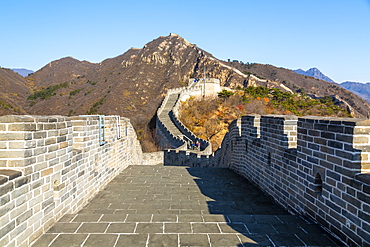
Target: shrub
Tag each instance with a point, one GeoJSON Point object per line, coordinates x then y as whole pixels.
{"type": "Point", "coordinates": [74, 92]}
{"type": "Point", "coordinates": [47, 92]}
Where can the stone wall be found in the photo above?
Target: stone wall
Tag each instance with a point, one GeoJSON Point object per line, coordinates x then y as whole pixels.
{"type": "Point", "coordinates": [54, 165]}
{"type": "Point", "coordinates": [319, 167]}
{"type": "Point", "coordinates": [310, 166]}
{"type": "Point", "coordinates": [155, 158]}
{"type": "Point", "coordinates": [166, 137]}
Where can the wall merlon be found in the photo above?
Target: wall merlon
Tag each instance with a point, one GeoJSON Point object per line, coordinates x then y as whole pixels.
{"type": "Point", "coordinates": [310, 165]}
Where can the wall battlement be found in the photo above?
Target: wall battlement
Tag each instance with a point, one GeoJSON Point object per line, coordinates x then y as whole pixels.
{"type": "Point", "coordinates": [319, 167]}
{"type": "Point", "coordinates": [53, 165]}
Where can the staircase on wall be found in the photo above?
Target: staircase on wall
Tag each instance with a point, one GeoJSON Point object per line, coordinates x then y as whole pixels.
{"type": "Point", "coordinates": [169, 127]}
{"type": "Point", "coordinates": [164, 115]}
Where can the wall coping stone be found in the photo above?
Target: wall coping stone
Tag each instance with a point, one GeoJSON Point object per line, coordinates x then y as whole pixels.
{"type": "Point", "coordinates": [363, 177]}
{"type": "Point", "coordinates": [10, 174]}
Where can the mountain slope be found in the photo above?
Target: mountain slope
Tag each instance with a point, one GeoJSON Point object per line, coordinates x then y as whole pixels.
{"type": "Point", "coordinates": [285, 78]}
{"type": "Point", "coordinates": [133, 84]}
{"type": "Point", "coordinates": [314, 72]}
{"type": "Point", "coordinates": [361, 89]}
{"type": "Point", "coordinates": [13, 91]}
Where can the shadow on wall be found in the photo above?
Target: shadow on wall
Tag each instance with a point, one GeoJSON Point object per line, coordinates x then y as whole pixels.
{"type": "Point", "coordinates": [312, 166]}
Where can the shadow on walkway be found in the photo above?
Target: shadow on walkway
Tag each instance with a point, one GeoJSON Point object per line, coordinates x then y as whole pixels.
{"type": "Point", "coordinates": [253, 214]}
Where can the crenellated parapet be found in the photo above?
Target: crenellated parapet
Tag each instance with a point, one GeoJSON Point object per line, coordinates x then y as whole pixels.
{"type": "Point", "coordinates": [53, 165]}
{"type": "Point", "coordinates": [314, 166]}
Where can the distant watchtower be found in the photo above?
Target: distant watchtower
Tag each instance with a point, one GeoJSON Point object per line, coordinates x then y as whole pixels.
{"type": "Point", "coordinates": [210, 86]}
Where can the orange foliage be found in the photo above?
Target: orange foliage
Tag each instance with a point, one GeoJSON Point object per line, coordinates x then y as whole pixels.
{"type": "Point", "coordinates": [266, 100]}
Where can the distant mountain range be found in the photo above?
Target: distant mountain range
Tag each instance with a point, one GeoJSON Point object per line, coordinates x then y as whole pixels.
{"type": "Point", "coordinates": [134, 84]}
{"type": "Point", "coordinates": [361, 89]}
{"type": "Point", "coordinates": [23, 72]}
{"type": "Point", "coordinates": [314, 72]}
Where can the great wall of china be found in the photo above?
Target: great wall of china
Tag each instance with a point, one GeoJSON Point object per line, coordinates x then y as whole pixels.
{"type": "Point", "coordinates": [53, 165]}
{"type": "Point", "coordinates": [312, 166]}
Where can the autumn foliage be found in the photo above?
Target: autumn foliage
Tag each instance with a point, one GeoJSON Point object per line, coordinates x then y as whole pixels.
{"type": "Point", "coordinates": [209, 118]}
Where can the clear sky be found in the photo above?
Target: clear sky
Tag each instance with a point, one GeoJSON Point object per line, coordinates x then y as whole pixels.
{"type": "Point", "coordinates": [332, 35]}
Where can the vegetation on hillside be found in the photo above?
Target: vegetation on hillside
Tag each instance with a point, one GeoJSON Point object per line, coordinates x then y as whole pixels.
{"type": "Point", "coordinates": [8, 106]}
{"type": "Point", "coordinates": [46, 93]}
{"type": "Point", "coordinates": [209, 118]}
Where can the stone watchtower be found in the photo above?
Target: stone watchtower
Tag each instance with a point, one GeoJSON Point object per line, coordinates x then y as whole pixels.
{"type": "Point", "coordinates": [209, 86]}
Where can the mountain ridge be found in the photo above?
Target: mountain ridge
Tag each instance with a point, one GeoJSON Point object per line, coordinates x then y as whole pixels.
{"type": "Point", "coordinates": [360, 89]}
{"type": "Point", "coordinates": [134, 83]}
{"type": "Point", "coordinates": [314, 72]}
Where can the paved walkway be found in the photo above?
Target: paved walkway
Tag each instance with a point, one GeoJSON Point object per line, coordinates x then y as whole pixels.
{"type": "Point", "coordinates": [180, 206]}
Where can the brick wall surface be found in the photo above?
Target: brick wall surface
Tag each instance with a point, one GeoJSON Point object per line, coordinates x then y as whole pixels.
{"type": "Point", "coordinates": [313, 166]}
{"type": "Point", "coordinates": [62, 164]}
{"type": "Point", "coordinates": [310, 166]}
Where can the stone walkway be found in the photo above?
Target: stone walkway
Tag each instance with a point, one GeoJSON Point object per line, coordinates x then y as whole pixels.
{"type": "Point", "coordinates": [181, 206]}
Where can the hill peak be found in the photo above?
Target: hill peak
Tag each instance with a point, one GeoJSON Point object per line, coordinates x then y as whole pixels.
{"type": "Point", "coordinates": [314, 72]}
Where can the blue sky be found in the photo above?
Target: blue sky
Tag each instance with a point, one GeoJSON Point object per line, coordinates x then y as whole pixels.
{"type": "Point", "coordinates": [332, 35]}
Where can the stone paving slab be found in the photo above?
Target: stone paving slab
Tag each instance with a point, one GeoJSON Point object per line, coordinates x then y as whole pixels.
{"type": "Point", "coordinates": [182, 206]}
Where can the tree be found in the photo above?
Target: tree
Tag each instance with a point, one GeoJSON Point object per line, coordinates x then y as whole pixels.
{"type": "Point", "coordinates": [225, 94]}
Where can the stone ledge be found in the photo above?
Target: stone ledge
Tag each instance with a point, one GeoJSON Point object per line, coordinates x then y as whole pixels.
{"type": "Point", "coordinates": [12, 185]}
{"type": "Point", "coordinates": [363, 177]}
{"type": "Point", "coordinates": [6, 175]}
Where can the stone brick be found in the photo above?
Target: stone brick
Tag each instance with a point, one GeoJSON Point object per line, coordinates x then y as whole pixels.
{"type": "Point", "coordinates": [3, 127]}
{"type": "Point", "coordinates": [313, 146]}
{"type": "Point", "coordinates": [6, 188]}
{"type": "Point", "coordinates": [22, 127]}
{"type": "Point", "coordinates": [320, 140]}
{"type": "Point", "coordinates": [333, 175]}
{"type": "Point", "coordinates": [321, 127]}
{"type": "Point", "coordinates": [7, 228]}
{"type": "Point", "coordinates": [46, 172]}
{"type": "Point", "coordinates": [348, 155]}
{"type": "Point", "coordinates": [360, 140]}
{"type": "Point", "coordinates": [50, 140]}
{"type": "Point", "coordinates": [16, 118]}
{"type": "Point", "coordinates": [363, 197]}
{"type": "Point", "coordinates": [39, 135]}
{"type": "Point", "coordinates": [346, 172]}
{"type": "Point", "coordinates": [12, 154]}
{"type": "Point", "coordinates": [20, 181]}
{"type": "Point", "coordinates": [313, 132]}
{"type": "Point", "coordinates": [363, 234]}
{"type": "Point", "coordinates": [336, 128]}
{"type": "Point", "coordinates": [52, 148]}
{"type": "Point", "coordinates": [4, 199]}
{"type": "Point", "coordinates": [23, 217]}
{"type": "Point", "coordinates": [335, 144]}
{"type": "Point", "coordinates": [359, 130]}
{"type": "Point", "coordinates": [50, 126]}
{"type": "Point", "coordinates": [47, 202]}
